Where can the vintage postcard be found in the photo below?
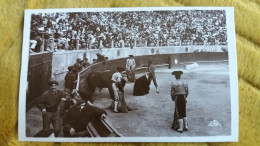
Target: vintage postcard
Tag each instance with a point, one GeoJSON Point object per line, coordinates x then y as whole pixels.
{"type": "Point", "coordinates": [145, 74]}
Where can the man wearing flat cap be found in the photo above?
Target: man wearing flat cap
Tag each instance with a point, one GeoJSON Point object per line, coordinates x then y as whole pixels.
{"type": "Point", "coordinates": [48, 104]}
{"type": "Point", "coordinates": [78, 117]}
{"type": "Point", "coordinates": [117, 86]}
{"type": "Point", "coordinates": [77, 64]}
{"type": "Point", "coordinates": [130, 68]}
{"type": "Point", "coordinates": [179, 93]}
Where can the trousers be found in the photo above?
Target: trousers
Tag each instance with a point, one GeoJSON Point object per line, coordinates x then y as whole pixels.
{"type": "Point", "coordinates": [54, 119]}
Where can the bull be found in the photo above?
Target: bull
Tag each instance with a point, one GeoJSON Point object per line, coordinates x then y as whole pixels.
{"type": "Point", "coordinates": [101, 79]}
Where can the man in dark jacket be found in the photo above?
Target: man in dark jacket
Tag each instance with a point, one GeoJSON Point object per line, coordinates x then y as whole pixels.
{"type": "Point", "coordinates": [79, 116]}
{"type": "Point", "coordinates": [48, 104]}
{"type": "Point", "coordinates": [70, 79]}
{"type": "Point", "coordinates": [77, 64]}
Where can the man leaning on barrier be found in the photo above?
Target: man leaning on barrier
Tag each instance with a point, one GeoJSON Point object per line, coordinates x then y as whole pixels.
{"type": "Point", "coordinates": [48, 104]}
{"type": "Point", "coordinates": [77, 118]}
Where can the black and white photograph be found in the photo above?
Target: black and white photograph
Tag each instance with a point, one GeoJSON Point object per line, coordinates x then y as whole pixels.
{"type": "Point", "coordinates": [139, 74]}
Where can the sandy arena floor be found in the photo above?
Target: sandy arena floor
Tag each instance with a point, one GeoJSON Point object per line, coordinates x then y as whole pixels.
{"type": "Point", "coordinates": [208, 107]}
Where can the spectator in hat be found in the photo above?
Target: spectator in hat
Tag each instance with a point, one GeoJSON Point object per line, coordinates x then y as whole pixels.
{"type": "Point", "coordinates": [70, 78]}
{"type": "Point", "coordinates": [78, 117]}
{"type": "Point", "coordinates": [38, 45]}
{"type": "Point", "coordinates": [70, 84]}
{"type": "Point", "coordinates": [80, 68]}
{"type": "Point", "coordinates": [101, 58]}
{"type": "Point", "coordinates": [106, 59]}
{"type": "Point", "coordinates": [151, 73]}
{"type": "Point", "coordinates": [130, 68]}
{"type": "Point", "coordinates": [48, 104]}
{"type": "Point", "coordinates": [94, 61]}
{"type": "Point", "coordinates": [71, 47]}
{"type": "Point", "coordinates": [179, 93]}
{"type": "Point", "coordinates": [117, 86]}
{"type": "Point", "coordinates": [32, 45]}
{"type": "Point", "coordinates": [85, 63]}
{"type": "Point", "coordinates": [77, 64]}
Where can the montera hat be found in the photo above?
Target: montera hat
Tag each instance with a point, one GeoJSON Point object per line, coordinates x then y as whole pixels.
{"type": "Point", "coordinates": [177, 74]}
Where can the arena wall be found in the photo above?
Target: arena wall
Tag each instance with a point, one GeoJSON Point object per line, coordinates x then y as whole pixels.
{"type": "Point", "coordinates": [118, 56]}
{"type": "Point", "coordinates": [158, 60]}
{"type": "Point", "coordinates": [63, 59]}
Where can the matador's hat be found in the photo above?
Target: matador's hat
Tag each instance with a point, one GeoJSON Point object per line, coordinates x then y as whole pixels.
{"type": "Point", "coordinates": [177, 74]}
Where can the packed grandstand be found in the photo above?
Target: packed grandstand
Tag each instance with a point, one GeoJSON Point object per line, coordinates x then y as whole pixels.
{"type": "Point", "coordinates": [120, 29]}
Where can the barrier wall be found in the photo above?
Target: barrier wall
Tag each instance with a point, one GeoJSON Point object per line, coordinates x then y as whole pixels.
{"type": "Point", "coordinates": [167, 59]}
{"type": "Point", "coordinates": [63, 59]}
{"type": "Point", "coordinates": [39, 73]}
{"type": "Point", "coordinates": [42, 66]}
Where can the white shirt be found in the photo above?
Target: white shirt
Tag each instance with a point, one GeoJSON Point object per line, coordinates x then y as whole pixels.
{"type": "Point", "coordinates": [116, 77]}
{"type": "Point", "coordinates": [130, 63]}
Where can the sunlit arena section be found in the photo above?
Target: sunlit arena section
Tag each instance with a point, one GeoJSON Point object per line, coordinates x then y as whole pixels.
{"type": "Point", "coordinates": [208, 104]}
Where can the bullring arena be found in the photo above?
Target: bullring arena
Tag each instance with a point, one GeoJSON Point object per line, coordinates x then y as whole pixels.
{"type": "Point", "coordinates": [208, 100]}
{"type": "Point", "coordinates": [208, 103]}
{"type": "Point", "coordinates": [194, 41]}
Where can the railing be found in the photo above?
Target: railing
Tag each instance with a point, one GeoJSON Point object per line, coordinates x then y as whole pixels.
{"type": "Point", "coordinates": [101, 127]}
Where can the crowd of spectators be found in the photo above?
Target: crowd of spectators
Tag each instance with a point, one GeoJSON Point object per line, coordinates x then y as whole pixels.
{"type": "Point", "coordinates": [96, 30]}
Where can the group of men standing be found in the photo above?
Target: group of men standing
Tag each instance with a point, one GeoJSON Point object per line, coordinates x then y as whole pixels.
{"type": "Point", "coordinates": [74, 120]}
{"type": "Point", "coordinates": [53, 104]}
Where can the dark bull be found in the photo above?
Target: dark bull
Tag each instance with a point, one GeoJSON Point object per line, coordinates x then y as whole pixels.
{"type": "Point", "coordinates": [100, 79]}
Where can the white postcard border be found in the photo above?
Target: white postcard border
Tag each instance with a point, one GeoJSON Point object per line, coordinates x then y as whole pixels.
{"type": "Point", "coordinates": [232, 68]}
